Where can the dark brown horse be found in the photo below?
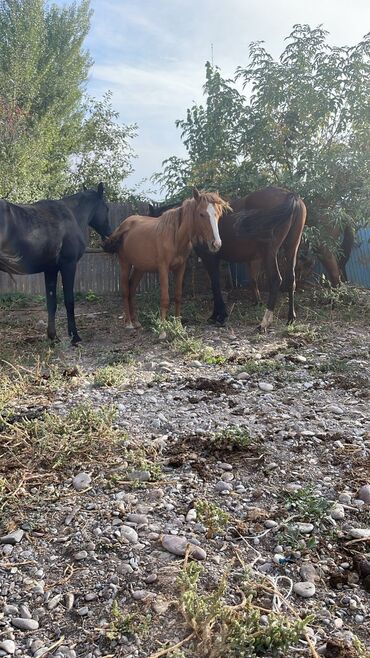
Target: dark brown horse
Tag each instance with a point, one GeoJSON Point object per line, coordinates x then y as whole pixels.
{"type": "Point", "coordinates": [253, 233]}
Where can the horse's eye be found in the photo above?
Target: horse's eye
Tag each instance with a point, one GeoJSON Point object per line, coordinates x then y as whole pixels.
{"type": "Point", "coordinates": [203, 214]}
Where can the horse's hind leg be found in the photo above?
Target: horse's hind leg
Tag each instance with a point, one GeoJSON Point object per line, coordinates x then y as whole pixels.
{"type": "Point", "coordinates": [274, 282]}
{"type": "Point", "coordinates": [254, 267]}
{"type": "Point", "coordinates": [51, 277]}
{"type": "Point", "coordinates": [125, 287]}
{"type": "Point", "coordinates": [135, 279]}
{"type": "Point", "coordinates": [68, 272]}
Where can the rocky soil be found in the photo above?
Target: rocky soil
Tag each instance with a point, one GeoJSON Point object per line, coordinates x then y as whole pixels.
{"type": "Point", "coordinates": [251, 459]}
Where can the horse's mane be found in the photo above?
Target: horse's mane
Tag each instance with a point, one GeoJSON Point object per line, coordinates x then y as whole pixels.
{"type": "Point", "coordinates": [171, 220]}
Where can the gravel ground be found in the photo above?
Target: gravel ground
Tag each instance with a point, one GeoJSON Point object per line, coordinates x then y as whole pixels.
{"type": "Point", "coordinates": [251, 460]}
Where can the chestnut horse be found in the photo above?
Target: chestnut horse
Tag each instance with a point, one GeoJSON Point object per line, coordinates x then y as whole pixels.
{"type": "Point", "coordinates": [255, 229]}
{"type": "Point", "coordinates": [163, 244]}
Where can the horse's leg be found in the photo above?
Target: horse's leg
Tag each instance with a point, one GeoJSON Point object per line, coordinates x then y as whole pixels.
{"type": "Point", "coordinates": [212, 265]}
{"type": "Point", "coordinates": [135, 279]}
{"type": "Point", "coordinates": [125, 287]}
{"type": "Point", "coordinates": [165, 298]}
{"type": "Point", "coordinates": [68, 272]}
{"type": "Point", "coordinates": [253, 267]}
{"type": "Point", "coordinates": [179, 278]}
{"type": "Point", "coordinates": [51, 277]}
{"type": "Point", "coordinates": [274, 282]}
{"type": "Point", "coordinates": [331, 266]}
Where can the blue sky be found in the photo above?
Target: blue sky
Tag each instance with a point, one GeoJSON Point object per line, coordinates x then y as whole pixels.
{"type": "Point", "coordinates": [151, 55]}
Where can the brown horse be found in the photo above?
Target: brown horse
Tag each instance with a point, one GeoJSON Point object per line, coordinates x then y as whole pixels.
{"type": "Point", "coordinates": [160, 245]}
{"type": "Point", "coordinates": [258, 226]}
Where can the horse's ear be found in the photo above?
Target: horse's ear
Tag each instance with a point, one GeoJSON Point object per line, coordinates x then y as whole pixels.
{"type": "Point", "coordinates": [151, 210]}
{"type": "Point", "coordinates": [100, 190]}
{"type": "Point", "coordinates": [196, 194]}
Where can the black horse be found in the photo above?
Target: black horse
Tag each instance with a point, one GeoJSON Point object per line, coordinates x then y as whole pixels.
{"type": "Point", "coordinates": [50, 237]}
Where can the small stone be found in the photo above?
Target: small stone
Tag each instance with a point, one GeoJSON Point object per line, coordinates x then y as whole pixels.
{"type": "Point", "coordinates": [143, 595]}
{"type": "Point", "coordinates": [270, 523]}
{"type": "Point", "coordinates": [338, 623]}
{"type": "Point", "coordinates": [138, 519]}
{"type": "Point", "coordinates": [177, 546]}
{"type": "Point", "coordinates": [306, 589]}
{"type": "Point", "coordinates": [360, 533]}
{"type": "Point", "coordinates": [223, 486]}
{"type": "Point", "coordinates": [83, 611]}
{"type": "Point", "coordinates": [304, 528]}
{"type": "Point", "coordinates": [242, 376]}
{"type": "Point", "coordinates": [129, 534]}
{"type": "Point", "coordinates": [12, 538]}
{"type": "Point", "coordinates": [345, 498]}
{"type": "Point", "coordinates": [337, 512]}
{"type": "Point", "coordinates": [191, 515]}
{"type": "Point", "coordinates": [334, 409]}
{"type": "Point", "coordinates": [54, 602]}
{"type": "Point", "coordinates": [364, 493]}
{"type": "Point", "coordinates": [81, 481]}
{"type": "Point", "coordinates": [69, 600]}
{"type": "Point", "coordinates": [265, 386]}
{"type": "Point", "coordinates": [308, 572]}
{"type": "Point", "coordinates": [8, 646]}
{"type": "Point", "coordinates": [195, 363]}
{"type": "Point", "coordinates": [25, 624]}
{"type": "Point", "coordinates": [359, 619]}
{"type": "Point", "coordinates": [80, 555]}
{"type": "Point", "coordinates": [141, 476]}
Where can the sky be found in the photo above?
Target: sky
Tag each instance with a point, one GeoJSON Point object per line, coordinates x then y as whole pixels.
{"type": "Point", "coordinates": [151, 54]}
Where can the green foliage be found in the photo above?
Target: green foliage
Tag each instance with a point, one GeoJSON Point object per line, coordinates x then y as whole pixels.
{"type": "Point", "coordinates": [304, 124]}
{"type": "Point", "coordinates": [212, 516]}
{"type": "Point", "coordinates": [231, 438]}
{"type": "Point", "coordinates": [224, 631]}
{"type": "Point", "coordinates": [307, 504]}
{"type": "Point", "coordinates": [131, 624]}
{"type": "Point", "coordinates": [178, 336]}
{"type": "Point", "coordinates": [103, 151]}
{"type": "Point", "coordinates": [53, 138]}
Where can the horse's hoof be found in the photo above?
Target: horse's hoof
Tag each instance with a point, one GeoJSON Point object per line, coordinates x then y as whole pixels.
{"type": "Point", "coordinates": [261, 329]}
{"type": "Point", "coordinates": [137, 325]}
{"type": "Point", "coordinates": [162, 335]}
{"type": "Point", "coordinates": [129, 327]}
{"type": "Point", "coordinates": [54, 339]}
{"type": "Point", "coordinates": [75, 340]}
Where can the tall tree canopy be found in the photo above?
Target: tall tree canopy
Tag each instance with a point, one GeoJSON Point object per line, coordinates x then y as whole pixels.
{"type": "Point", "coordinates": [303, 122]}
{"type": "Point", "coordinates": [52, 135]}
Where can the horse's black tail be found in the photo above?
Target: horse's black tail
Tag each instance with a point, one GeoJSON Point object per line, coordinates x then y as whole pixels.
{"type": "Point", "coordinates": [113, 243]}
{"type": "Point", "coordinates": [346, 248]}
{"type": "Point", "coordinates": [260, 224]}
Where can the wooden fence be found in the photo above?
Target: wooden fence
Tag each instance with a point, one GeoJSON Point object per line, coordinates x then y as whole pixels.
{"type": "Point", "coordinates": [96, 271]}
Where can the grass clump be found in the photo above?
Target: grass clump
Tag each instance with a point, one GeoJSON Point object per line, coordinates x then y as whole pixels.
{"type": "Point", "coordinates": [111, 375]}
{"type": "Point", "coordinates": [235, 631]}
{"type": "Point", "coordinates": [261, 367]}
{"type": "Point", "coordinates": [302, 332]}
{"type": "Point", "coordinates": [307, 504]}
{"type": "Point", "coordinates": [131, 624]}
{"type": "Point", "coordinates": [232, 438]}
{"type": "Point", "coordinates": [212, 516]}
{"type": "Point", "coordinates": [178, 336]}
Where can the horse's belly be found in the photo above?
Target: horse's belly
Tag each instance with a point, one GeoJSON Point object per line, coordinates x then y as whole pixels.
{"type": "Point", "coordinates": [140, 251]}
{"type": "Point", "coordinates": [238, 251]}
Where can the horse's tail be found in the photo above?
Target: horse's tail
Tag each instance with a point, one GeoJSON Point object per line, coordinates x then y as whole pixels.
{"type": "Point", "coordinates": [346, 248]}
{"type": "Point", "coordinates": [260, 224]}
{"type": "Point", "coordinates": [113, 243]}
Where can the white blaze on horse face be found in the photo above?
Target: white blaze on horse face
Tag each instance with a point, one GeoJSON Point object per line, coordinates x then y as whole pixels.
{"type": "Point", "coordinates": [214, 223]}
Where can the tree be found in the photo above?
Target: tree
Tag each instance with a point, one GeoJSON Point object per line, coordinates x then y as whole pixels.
{"type": "Point", "coordinates": [212, 136]}
{"type": "Point", "coordinates": [305, 125]}
{"type": "Point", "coordinates": [42, 72]}
{"type": "Point", "coordinates": [102, 149]}
{"type": "Point", "coordinates": [308, 124]}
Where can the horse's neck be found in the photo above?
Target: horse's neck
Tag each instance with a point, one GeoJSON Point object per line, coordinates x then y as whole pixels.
{"type": "Point", "coordinates": [80, 209]}
{"type": "Point", "coordinates": [184, 234]}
